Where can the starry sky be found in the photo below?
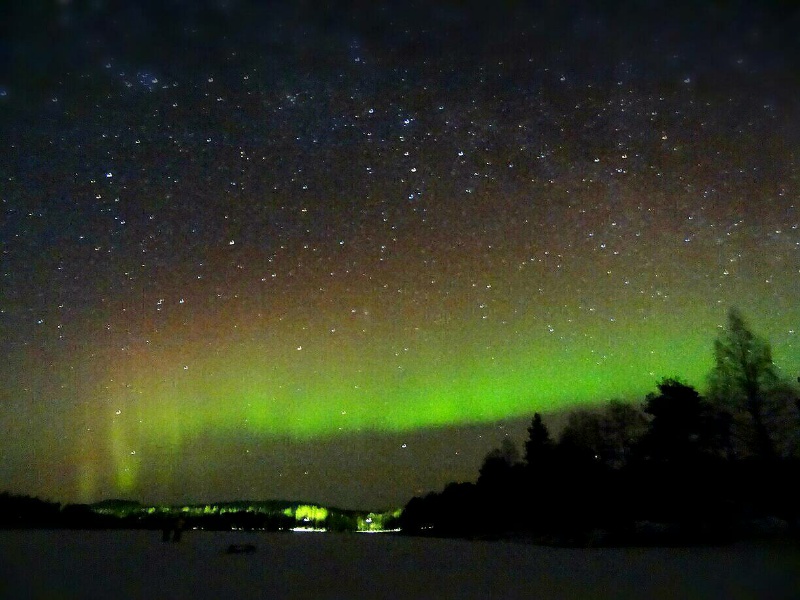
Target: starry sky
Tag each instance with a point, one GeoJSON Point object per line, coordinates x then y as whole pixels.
{"type": "Point", "coordinates": [337, 251]}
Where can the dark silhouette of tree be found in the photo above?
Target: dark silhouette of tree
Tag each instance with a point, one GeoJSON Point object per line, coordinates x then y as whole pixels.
{"type": "Point", "coordinates": [417, 516]}
{"type": "Point", "coordinates": [554, 482]}
{"type": "Point", "coordinates": [680, 474]}
{"type": "Point", "coordinates": [498, 463]}
{"type": "Point", "coordinates": [453, 512]}
{"type": "Point", "coordinates": [582, 437]}
{"type": "Point", "coordinates": [575, 472]}
{"type": "Point", "coordinates": [683, 427]}
{"type": "Point", "coordinates": [539, 445]}
{"type": "Point", "coordinates": [744, 379]}
{"type": "Point", "coordinates": [499, 482]}
{"type": "Point", "coordinates": [26, 511]}
{"type": "Point", "coordinates": [623, 427]}
{"type": "Point", "coordinates": [606, 435]}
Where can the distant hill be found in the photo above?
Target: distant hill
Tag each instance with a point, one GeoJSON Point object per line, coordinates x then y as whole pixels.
{"type": "Point", "coordinates": [116, 504]}
{"type": "Point", "coordinates": [115, 513]}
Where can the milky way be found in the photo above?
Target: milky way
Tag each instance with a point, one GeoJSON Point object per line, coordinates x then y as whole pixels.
{"type": "Point", "coordinates": [258, 251]}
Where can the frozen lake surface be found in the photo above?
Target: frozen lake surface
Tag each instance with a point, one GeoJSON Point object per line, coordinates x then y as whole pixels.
{"type": "Point", "coordinates": [137, 564]}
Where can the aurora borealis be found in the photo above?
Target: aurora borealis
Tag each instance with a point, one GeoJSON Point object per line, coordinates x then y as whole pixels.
{"type": "Point", "coordinates": [279, 251]}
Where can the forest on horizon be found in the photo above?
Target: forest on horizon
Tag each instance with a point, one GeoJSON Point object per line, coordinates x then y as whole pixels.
{"type": "Point", "coordinates": [680, 468]}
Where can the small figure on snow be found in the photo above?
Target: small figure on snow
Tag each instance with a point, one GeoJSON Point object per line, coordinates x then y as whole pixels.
{"type": "Point", "coordinates": [177, 531]}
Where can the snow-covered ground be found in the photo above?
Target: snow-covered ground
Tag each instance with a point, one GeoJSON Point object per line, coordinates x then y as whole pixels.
{"type": "Point", "coordinates": [137, 564]}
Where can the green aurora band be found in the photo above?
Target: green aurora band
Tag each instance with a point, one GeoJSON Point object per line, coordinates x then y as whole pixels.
{"type": "Point", "coordinates": [328, 388]}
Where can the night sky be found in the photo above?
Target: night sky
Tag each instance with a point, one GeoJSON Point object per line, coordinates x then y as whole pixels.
{"type": "Point", "coordinates": [337, 251]}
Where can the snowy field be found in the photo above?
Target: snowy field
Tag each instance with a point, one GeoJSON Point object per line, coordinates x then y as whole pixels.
{"type": "Point", "coordinates": [137, 564]}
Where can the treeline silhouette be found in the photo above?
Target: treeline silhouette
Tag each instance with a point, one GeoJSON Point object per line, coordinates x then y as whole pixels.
{"type": "Point", "coordinates": [26, 512]}
{"type": "Point", "coordinates": [682, 468]}
{"type": "Point", "coordinates": [19, 511]}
